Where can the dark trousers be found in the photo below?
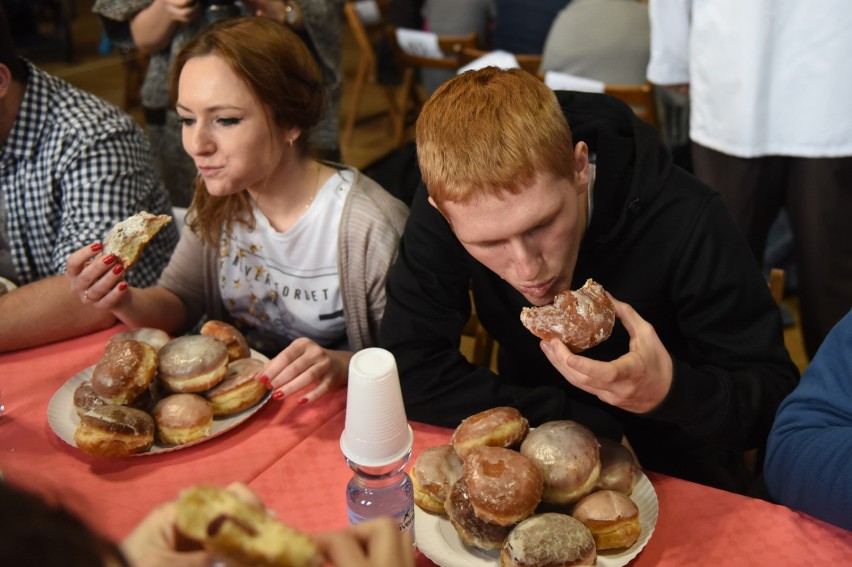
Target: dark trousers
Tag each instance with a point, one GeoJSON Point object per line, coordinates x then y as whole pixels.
{"type": "Point", "coordinates": [817, 193]}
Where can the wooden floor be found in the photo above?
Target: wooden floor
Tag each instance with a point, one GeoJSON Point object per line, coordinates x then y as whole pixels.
{"type": "Point", "coordinates": [105, 76]}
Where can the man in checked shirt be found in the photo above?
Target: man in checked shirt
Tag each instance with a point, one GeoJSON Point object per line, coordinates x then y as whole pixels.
{"type": "Point", "coordinates": [71, 166]}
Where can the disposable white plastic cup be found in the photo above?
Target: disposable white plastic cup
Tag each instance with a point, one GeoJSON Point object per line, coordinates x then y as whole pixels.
{"type": "Point", "coordinates": [376, 431]}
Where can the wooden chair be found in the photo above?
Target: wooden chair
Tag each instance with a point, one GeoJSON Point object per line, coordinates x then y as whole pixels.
{"type": "Point", "coordinates": [529, 62]}
{"type": "Point", "coordinates": [451, 47]}
{"type": "Point", "coordinates": [638, 97]}
{"type": "Point", "coordinates": [364, 34]}
{"type": "Point", "coordinates": [483, 343]}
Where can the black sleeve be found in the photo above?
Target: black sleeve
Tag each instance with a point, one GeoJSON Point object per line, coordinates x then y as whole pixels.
{"type": "Point", "coordinates": [428, 304]}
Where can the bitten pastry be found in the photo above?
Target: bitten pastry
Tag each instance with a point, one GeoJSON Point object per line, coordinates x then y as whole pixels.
{"type": "Point", "coordinates": [227, 526]}
{"type": "Point", "coordinates": [581, 319]}
{"type": "Point", "coordinates": [192, 363]}
{"type": "Point", "coordinates": [114, 431]}
{"type": "Point", "coordinates": [157, 338]}
{"type": "Point", "coordinates": [549, 540]}
{"type": "Point", "coordinates": [234, 340]}
{"type": "Point", "coordinates": [238, 390]}
{"type": "Point", "coordinates": [183, 418]}
{"type": "Point", "coordinates": [495, 427]}
{"type": "Point", "coordinates": [128, 238]}
{"type": "Point", "coordinates": [435, 471]}
{"type": "Point", "coordinates": [125, 371]}
{"type": "Point", "coordinates": [568, 456]}
{"type": "Point", "coordinates": [504, 486]}
{"type": "Point", "coordinates": [472, 530]}
{"type": "Point", "coordinates": [612, 517]}
{"type": "Point", "coordinates": [617, 467]}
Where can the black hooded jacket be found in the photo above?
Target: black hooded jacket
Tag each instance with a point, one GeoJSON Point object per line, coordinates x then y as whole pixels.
{"type": "Point", "coordinates": [659, 240]}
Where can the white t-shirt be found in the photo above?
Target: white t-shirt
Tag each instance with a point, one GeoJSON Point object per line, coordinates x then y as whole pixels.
{"type": "Point", "coordinates": [279, 286]}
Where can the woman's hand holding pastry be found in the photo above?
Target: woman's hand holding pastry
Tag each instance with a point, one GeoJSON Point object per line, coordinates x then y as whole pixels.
{"type": "Point", "coordinates": [302, 364]}
{"type": "Point", "coordinates": [637, 381]}
{"type": "Point", "coordinates": [96, 279]}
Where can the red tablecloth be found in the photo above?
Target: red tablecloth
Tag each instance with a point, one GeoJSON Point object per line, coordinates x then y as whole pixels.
{"type": "Point", "coordinates": [290, 455]}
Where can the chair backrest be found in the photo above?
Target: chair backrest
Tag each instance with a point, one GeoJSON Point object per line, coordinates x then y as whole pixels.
{"type": "Point", "coordinates": [638, 97]}
{"type": "Point", "coordinates": [410, 48]}
{"type": "Point", "coordinates": [529, 62]}
{"type": "Point", "coordinates": [365, 19]}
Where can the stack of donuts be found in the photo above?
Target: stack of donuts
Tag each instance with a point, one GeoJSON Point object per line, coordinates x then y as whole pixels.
{"type": "Point", "coordinates": [148, 386]}
{"type": "Point", "coordinates": [551, 496]}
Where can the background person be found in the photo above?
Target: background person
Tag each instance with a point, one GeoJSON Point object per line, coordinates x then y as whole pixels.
{"type": "Point", "coordinates": [71, 166]}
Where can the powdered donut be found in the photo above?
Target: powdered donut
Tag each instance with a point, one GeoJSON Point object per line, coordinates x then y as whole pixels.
{"type": "Point", "coordinates": [581, 319]}
{"type": "Point", "coordinates": [617, 467]}
{"type": "Point", "coordinates": [234, 340]}
{"type": "Point", "coordinates": [238, 390]}
{"type": "Point", "coordinates": [192, 363]}
{"type": "Point", "coordinates": [472, 530]}
{"type": "Point", "coordinates": [128, 238]}
{"type": "Point", "coordinates": [435, 471]}
{"type": "Point", "coordinates": [567, 454]}
{"type": "Point", "coordinates": [125, 371]}
{"type": "Point", "coordinates": [495, 427]}
{"type": "Point", "coordinates": [551, 540]}
{"type": "Point", "coordinates": [183, 418]}
{"type": "Point", "coordinates": [114, 431]}
{"type": "Point", "coordinates": [612, 517]}
{"type": "Point", "coordinates": [157, 338]}
{"type": "Point", "coordinates": [504, 486]}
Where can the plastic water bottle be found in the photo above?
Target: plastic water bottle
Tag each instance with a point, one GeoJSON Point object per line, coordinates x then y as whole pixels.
{"type": "Point", "coordinates": [381, 491]}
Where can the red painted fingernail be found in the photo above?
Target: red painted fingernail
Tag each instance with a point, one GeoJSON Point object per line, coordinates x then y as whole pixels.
{"type": "Point", "coordinates": [122, 286]}
{"type": "Point", "coordinates": [278, 395]}
{"type": "Point", "coordinates": [263, 379]}
{"type": "Point", "coordinates": [96, 247]}
{"type": "Point", "coordinates": [109, 259]}
{"type": "Point", "coordinates": [303, 401]}
{"type": "Point", "coordinates": [117, 269]}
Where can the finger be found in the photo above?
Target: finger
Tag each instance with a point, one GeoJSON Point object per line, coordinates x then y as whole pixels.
{"type": "Point", "coordinates": [245, 494]}
{"type": "Point", "coordinates": [78, 260]}
{"type": "Point", "coordinates": [341, 548]}
{"type": "Point", "coordinates": [628, 316]}
{"type": "Point", "coordinates": [383, 541]}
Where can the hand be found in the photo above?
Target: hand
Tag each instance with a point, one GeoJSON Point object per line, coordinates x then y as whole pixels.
{"type": "Point", "coordinates": [637, 381]}
{"type": "Point", "coordinates": [96, 279]}
{"type": "Point", "coordinates": [376, 543]}
{"type": "Point", "coordinates": [152, 543]}
{"type": "Point", "coordinates": [304, 363]}
{"type": "Point", "coordinates": [182, 10]}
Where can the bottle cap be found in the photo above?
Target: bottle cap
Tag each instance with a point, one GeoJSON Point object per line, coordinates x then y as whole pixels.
{"type": "Point", "coordinates": [376, 431]}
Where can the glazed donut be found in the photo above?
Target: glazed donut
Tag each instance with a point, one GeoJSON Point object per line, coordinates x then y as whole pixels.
{"type": "Point", "coordinates": [472, 530]}
{"type": "Point", "coordinates": [157, 338]}
{"type": "Point", "coordinates": [504, 486]}
{"type": "Point", "coordinates": [114, 431]}
{"type": "Point", "coordinates": [617, 467]}
{"type": "Point", "coordinates": [125, 370]}
{"type": "Point", "coordinates": [567, 454]}
{"type": "Point", "coordinates": [226, 526]}
{"type": "Point", "coordinates": [128, 238]}
{"type": "Point", "coordinates": [612, 517]}
{"type": "Point", "coordinates": [234, 340]}
{"type": "Point", "coordinates": [192, 363]}
{"type": "Point", "coordinates": [551, 540]}
{"type": "Point", "coordinates": [495, 427]}
{"type": "Point", "coordinates": [238, 390]}
{"type": "Point", "coordinates": [580, 319]}
{"type": "Point", "coordinates": [85, 398]}
{"type": "Point", "coordinates": [183, 418]}
{"type": "Point", "coordinates": [435, 471]}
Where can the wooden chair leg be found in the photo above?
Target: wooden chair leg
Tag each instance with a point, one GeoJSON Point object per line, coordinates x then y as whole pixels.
{"type": "Point", "coordinates": [357, 92]}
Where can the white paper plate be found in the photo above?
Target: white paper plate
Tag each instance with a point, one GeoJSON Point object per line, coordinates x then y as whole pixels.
{"type": "Point", "coordinates": [63, 419]}
{"type": "Point", "coordinates": [438, 540]}
{"type": "Point", "coordinates": [9, 284]}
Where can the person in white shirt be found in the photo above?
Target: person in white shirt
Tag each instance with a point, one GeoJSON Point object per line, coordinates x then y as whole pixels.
{"type": "Point", "coordinates": [770, 86]}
